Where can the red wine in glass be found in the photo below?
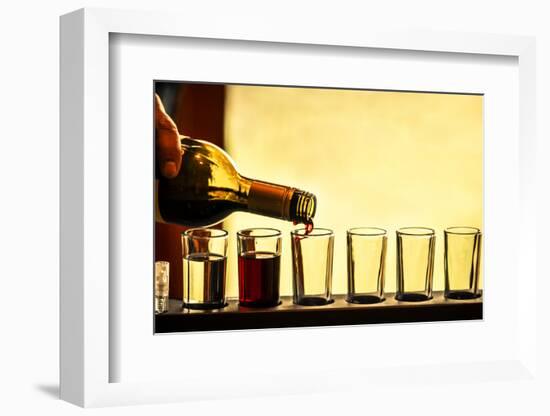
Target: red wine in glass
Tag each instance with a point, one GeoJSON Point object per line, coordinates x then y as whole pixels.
{"type": "Point", "coordinates": [259, 279]}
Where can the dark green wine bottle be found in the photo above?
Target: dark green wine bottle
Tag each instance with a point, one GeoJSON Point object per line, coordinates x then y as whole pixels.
{"type": "Point", "coordinates": [208, 188]}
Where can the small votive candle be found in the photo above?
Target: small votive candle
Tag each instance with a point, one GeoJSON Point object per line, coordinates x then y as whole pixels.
{"type": "Point", "coordinates": [162, 284]}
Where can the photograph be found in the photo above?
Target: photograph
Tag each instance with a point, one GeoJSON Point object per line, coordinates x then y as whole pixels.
{"type": "Point", "coordinates": [319, 209]}
{"type": "Point", "coordinates": [289, 206]}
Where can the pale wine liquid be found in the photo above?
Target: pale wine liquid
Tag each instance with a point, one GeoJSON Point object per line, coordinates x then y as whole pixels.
{"type": "Point", "coordinates": [204, 281]}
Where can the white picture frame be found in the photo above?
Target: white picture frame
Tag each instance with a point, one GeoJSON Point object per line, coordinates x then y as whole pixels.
{"type": "Point", "coordinates": [86, 302]}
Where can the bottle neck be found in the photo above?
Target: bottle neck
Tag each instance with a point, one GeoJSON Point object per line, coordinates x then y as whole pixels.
{"type": "Point", "coordinates": [280, 201]}
{"type": "Point", "coordinates": [302, 207]}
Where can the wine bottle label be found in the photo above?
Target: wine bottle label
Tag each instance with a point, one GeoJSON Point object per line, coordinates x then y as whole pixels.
{"type": "Point", "coordinates": [269, 199]}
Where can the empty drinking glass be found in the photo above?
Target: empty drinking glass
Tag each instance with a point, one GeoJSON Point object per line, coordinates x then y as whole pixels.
{"type": "Point", "coordinates": [366, 263]}
{"type": "Point", "coordinates": [312, 266]}
{"type": "Point", "coordinates": [415, 263]}
{"type": "Point", "coordinates": [462, 256]}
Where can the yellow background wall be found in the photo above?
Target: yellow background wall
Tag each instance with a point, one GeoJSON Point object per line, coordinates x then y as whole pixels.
{"type": "Point", "coordinates": [372, 158]}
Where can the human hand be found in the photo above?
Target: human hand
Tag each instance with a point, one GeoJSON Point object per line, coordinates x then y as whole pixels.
{"type": "Point", "coordinates": [167, 141]}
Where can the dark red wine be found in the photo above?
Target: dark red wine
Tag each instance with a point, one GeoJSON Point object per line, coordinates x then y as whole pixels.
{"type": "Point", "coordinates": [259, 279]}
{"type": "Point", "coordinates": [308, 224]}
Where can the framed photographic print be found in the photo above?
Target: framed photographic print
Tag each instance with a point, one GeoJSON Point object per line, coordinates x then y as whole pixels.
{"type": "Point", "coordinates": [298, 214]}
{"type": "Point", "coordinates": [365, 157]}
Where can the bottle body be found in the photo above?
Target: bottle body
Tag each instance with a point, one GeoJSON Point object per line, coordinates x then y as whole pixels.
{"type": "Point", "coordinates": [209, 188]}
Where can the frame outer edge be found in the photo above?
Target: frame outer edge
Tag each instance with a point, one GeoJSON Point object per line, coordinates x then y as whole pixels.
{"type": "Point", "coordinates": [71, 214]}
{"type": "Point", "coordinates": [95, 193]}
{"type": "Point", "coordinates": [527, 113]}
{"type": "Point", "coordinates": [84, 112]}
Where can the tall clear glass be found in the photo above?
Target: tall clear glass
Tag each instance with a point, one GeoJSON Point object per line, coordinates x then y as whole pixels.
{"type": "Point", "coordinates": [366, 247]}
{"type": "Point", "coordinates": [259, 252]}
{"type": "Point", "coordinates": [204, 268]}
{"type": "Point", "coordinates": [312, 266]}
{"type": "Point", "coordinates": [415, 263]}
{"type": "Point", "coordinates": [462, 257]}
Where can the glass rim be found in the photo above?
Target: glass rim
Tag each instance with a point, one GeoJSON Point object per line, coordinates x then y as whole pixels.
{"type": "Point", "coordinates": [422, 231]}
{"type": "Point", "coordinates": [218, 233]}
{"type": "Point", "coordinates": [462, 230]}
{"type": "Point", "coordinates": [270, 232]}
{"type": "Point", "coordinates": [319, 232]}
{"type": "Point", "coordinates": [367, 231]}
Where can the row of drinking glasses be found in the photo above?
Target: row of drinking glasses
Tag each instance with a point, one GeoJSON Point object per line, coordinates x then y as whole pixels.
{"type": "Point", "coordinates": [259, 251]}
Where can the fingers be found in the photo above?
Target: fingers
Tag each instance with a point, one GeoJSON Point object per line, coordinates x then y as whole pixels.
{"type": "Point", "coordinates": [168, 141]}
{"type": "Point", "coordinates": [168, 152]}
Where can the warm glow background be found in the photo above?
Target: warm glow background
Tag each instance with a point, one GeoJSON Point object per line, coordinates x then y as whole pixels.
{"type": "Point", "coordinates": [372, 158]}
